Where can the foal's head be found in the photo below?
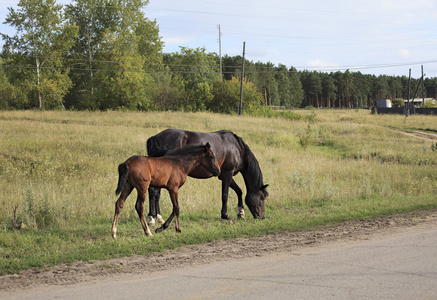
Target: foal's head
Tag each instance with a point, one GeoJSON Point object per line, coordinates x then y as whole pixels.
{"type": "Point", "coordinates": [209, 161]}
{"type": "Point", "coordinates": [201, 155]}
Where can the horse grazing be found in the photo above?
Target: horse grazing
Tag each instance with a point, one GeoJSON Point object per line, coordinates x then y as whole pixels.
{"type": "Point", "coordinates": [169, 171]}
{"type": "Point", "coordinates": [233, 157]}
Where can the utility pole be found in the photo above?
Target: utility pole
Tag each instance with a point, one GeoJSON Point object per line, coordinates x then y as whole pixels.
{"type": "Point", "coordinates": [240, 107]}
{"type": "Point", "coordinates": [220, 52]}
{"type": "Point", "coordinates": [407, 110]}
{"type": "Point", "coordinates": [423, 94]}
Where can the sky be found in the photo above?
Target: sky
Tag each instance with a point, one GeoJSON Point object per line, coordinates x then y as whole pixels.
{"type": "Point", "coordinates": [386, 37]}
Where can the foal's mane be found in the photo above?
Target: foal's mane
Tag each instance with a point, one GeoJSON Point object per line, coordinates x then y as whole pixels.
{"type": "Point", "coordinates": [189, 149]}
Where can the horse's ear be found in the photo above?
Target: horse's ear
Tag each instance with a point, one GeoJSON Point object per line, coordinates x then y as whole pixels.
{"type": "Point", "coordinates": [264, 191]}
{"type": "Point", "coordinates": [207, 146]}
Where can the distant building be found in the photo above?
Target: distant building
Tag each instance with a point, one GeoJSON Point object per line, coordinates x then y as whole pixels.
{"type": "Point", "coordinates": [418, 102]}
{"type": "Point", "coordinates": [383, 103]}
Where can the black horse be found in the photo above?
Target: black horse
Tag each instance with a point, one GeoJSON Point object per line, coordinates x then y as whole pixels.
{"type": "Point", "coordinates": [233, 156]}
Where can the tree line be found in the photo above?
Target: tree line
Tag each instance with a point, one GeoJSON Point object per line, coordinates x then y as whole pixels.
{"type": "Point", "coordinates": [106, 54]}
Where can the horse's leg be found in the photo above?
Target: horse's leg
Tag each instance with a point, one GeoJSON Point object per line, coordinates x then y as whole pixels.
{"type": "Point", "coordinates": [175, 212]}
{"type": "Point", "coordinates": [226, 181]}
{"type": "Point", "coordinates": [239, 193]}
{"type": "Point", "coordinates": [154, 210]}
{"type": "Point", "coordinates": [157, 209]}
{"type": "Point", "coordinates": [154, 194]}
{"type": "Point", "coordinates": [139, 206]}
{"type": "Point", "coordinates": [119, 206]}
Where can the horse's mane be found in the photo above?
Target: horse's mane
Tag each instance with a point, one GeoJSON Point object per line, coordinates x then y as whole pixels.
{"type": "Point", "coordinates": [188, 149]}
{"type": "Point", "coordinates": [252, 174]}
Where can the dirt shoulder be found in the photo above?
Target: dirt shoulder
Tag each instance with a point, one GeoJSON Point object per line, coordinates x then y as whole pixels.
{"type": "Point", "coordinates": [222, 250]}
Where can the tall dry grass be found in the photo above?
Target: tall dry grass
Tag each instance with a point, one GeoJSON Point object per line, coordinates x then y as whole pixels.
{"type": "Point", "coordinates": [60, 168]}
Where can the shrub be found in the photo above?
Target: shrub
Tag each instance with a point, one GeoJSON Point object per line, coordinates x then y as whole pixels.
{"type": "Point", "coordinates": [226, 97]}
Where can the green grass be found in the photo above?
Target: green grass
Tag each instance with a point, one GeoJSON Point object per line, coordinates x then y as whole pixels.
{"type": "Point", "coordinates": [58, 171]}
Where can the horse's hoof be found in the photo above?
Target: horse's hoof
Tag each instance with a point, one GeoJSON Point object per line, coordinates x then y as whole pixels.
{"type": "Point", "coordinates": [151, 221]}
{"type": "Point", "coordinates": [178, 230]}
{"type": "Point", "coordinates": [148, 233]}
{"type": "Point", "coordinates": [226, 217]}
{"type": "Point", "coordinates": [228, 220]}
{"type": "Point", "coordinates": [241, 213]}
{"type": "Point", "coordinates": [158, 230]}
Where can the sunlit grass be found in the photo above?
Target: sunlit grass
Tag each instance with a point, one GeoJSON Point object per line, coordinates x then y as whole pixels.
{"type": "Point", "coordinates": [58, 172]}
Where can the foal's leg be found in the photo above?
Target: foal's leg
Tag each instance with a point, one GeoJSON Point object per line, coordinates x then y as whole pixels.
{"type": "Point", "coordinates": [175, 212]}
{"type": "Point", "coordinates": [119, 206]}
{"type": "Point", "coordinates": [239, 193]}
{"type": "Point", "coordinates": [139, 206]}
{"type": "Point", "coordinates": [175, 202]}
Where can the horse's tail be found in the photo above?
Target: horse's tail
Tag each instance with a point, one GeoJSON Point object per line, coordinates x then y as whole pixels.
{"type": "Point", "coordinates": [154, 148]}
{"type": "Point", "coordinates": [123, 173]}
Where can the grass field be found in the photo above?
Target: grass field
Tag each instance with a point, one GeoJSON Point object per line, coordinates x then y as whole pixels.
{"type": "Point", "coordinates": [58, 174]}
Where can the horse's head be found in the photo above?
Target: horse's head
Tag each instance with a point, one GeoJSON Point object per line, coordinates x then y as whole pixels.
{"type": "Point", "coordinates": [255, 202]}
{"type": "Point", "coordinates": [210, 161]}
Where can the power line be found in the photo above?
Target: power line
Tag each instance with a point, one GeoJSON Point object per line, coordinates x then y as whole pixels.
{"type": "Point", "coordinates": [250, 70]}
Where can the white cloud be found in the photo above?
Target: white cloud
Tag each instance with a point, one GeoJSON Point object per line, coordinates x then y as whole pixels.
{"type": "Point", "coordinates": [321, 64]}
{"type": "Point", "coordinates": [176, 40]}
{"type": "Point", "coordinates": [404, 54]}
{"type": "Point", "coordinates": [409, 8]}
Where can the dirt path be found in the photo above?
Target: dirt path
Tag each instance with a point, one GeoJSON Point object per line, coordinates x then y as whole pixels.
{"type": "Point", "coordinates": [432, 137]}
{"type": "Point", "coordinates": [219, 251]}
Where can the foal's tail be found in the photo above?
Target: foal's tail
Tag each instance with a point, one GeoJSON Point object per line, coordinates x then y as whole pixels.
{"type": "Point", "coordinates": [123, 173]}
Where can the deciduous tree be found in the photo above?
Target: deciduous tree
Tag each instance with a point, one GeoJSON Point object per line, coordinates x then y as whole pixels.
{"type": "Point", "coordinates": [42, 40]}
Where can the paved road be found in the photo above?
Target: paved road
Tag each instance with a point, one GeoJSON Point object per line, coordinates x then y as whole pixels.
{"type": "Point", "coordinates": [403, 267]}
